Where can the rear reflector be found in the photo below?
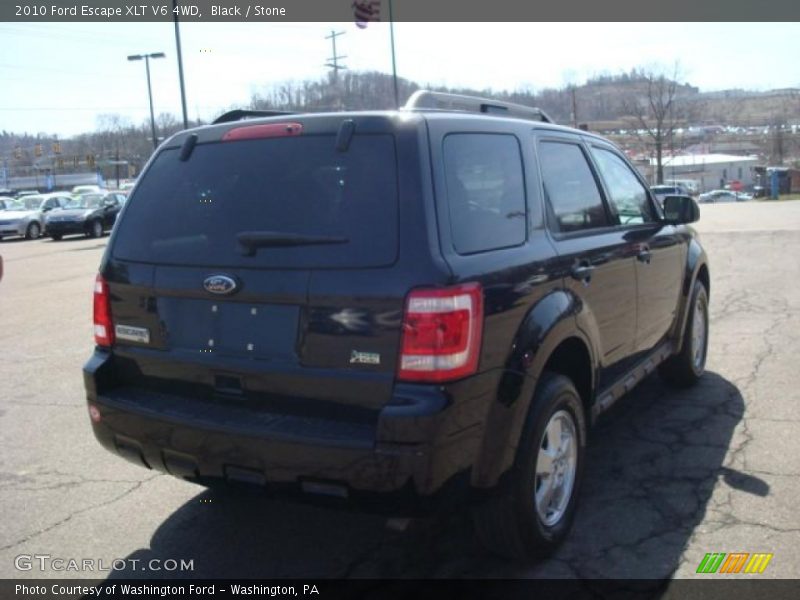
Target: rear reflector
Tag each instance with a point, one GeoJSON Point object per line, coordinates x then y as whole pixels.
{"type": "Point", "coordinates": [269, 130]}
{"type": "Point", "coordinates": [441, 333]}
{"type": "Point", "coordinates": [103, 329]}
{"type": "Point", "coordinates": [94, 414]}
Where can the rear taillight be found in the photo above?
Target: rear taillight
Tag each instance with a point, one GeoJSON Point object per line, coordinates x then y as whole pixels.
{"type": "Point", "coordinates": [441, 333]}
{"type": "Point", "coordinates": [103, 329]}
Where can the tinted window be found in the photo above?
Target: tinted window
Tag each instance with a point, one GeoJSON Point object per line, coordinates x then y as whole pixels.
{"type": "Point", "coordinates": [570, 188]}
{"type": "Point", "coordinates": [485, 190]}
{"type": "Point", "coordinates": [627, 196]}
{"type": "Point", "coordinates": [190, 212]}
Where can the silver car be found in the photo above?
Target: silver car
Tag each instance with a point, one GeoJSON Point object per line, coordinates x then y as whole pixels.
{"type": "Point", "coordinates": [24, 217]}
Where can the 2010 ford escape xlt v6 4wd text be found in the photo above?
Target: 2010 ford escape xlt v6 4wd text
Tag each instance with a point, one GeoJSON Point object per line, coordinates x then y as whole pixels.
{"type": "Point", "coordinates": [391, 309]}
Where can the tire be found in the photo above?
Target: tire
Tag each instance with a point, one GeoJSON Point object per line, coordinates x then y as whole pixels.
{"type": "Point", "coordinates": [33, 231]}
{"type": "Point", "coordinates": [685, 368]}
{"type": "Point", "coordinates": [96, 229]}
{"type": "Point", "coordinates": [513, 522]}
{"type": "Point", "coordinates": [56, 236]}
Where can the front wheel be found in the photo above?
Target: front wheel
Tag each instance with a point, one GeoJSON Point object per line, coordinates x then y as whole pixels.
{"type": "Point", "coordinates": [532, 512]}
{"type": "Point", "coordinates": [686, 367]}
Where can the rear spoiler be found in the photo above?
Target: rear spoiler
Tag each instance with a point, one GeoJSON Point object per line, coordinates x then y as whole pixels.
{"type": "Point", "coordinates": [240, 114]}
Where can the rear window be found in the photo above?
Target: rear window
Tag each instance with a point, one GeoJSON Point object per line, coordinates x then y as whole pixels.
{"type": "Point", "coordinates": [485, 190]}
{"type": "Point", "coordinates": [190, 213]}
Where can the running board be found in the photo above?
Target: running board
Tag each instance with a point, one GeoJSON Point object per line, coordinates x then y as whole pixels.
{"type": "Point", "coordinates": [628, 381]}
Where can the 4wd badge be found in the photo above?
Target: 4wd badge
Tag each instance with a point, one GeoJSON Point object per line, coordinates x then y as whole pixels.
{"type": "Point", "coordinates": [364, 358]}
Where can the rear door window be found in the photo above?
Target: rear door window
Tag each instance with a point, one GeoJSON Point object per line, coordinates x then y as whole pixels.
{"type": "Point", "coordinates": [193, 212]}
{"type": "Point", "coordinates": [485, 191]}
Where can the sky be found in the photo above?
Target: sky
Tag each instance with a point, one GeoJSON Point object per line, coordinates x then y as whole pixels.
{"type": "Point", "coordinates": [59, 77]}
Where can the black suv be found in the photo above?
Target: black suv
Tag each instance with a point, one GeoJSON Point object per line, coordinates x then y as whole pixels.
{"type": "Point", "coordinates": [391, 309]}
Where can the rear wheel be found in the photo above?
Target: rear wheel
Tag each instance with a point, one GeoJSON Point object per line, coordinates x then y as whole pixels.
{"type": "Point", "coordinates": [96, 229]}
{"type": "Point", "coordinates": [33, 231]}
{"type": "Point", "coordinates": [532, 512]}
{"type": "Point", "coordinates": [686, 367]}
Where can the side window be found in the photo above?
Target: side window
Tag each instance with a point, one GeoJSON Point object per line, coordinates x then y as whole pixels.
{"type": "Point", "coordinates": [570, 189]}
{"type": "Point", "coordinates": [628, 197]}
{"type": "Point", "coordinates": [485, 191]}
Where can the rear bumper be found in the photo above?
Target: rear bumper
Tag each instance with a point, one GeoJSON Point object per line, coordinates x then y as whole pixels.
{"type": "Point", "coordinates": [412, 458]}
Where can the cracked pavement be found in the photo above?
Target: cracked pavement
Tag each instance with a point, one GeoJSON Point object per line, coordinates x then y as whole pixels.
{"type": "Point", "coordinates": [670, 475]}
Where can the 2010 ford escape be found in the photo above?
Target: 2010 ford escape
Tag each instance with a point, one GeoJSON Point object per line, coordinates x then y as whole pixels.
{"type": "Point", "coordinates": [391, 307]}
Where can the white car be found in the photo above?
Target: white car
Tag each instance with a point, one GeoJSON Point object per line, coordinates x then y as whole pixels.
{"type": "Point", "coordinates": [87, 189]}
{"type": "Point", "coordinates": [724, 196]}
{"type": "Point", "coordinates": [24, 217]}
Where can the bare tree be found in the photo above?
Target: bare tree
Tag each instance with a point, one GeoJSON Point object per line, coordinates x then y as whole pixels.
{"type": "Point", "coordinates": [656, 110]}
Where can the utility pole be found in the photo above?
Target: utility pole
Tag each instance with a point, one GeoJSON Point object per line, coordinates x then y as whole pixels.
{"type": "Point", "coordinates": [574, 106]}
{"type": "Point", "coordinates": [333, 62]}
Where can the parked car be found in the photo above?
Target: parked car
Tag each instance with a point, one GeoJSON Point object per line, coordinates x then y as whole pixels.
{"type": "Point", "coordinates": [692, 186]}
{"type": "Point", "coordinates": [86, 214]}
{"type": "Point", "coordinates": [87, 189]}
{"type": "Point", "coordinates": [26, 216]}
{"type": "Point", "coordinates": [724, 196]}
{"type": "Point", "coordinates": [384, 308]}
{"type": "Point", "coordinates": [7, 202]}
{"type": "Point", "coordinates": [126, 186]}
{"type": "Point", "coordinates": [22, 193]}
{"type": "Point", "coordinates": [662, 191]}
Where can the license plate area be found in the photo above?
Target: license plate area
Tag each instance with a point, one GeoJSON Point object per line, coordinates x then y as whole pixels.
{"type": "Point", "coordinates": [237, 329]}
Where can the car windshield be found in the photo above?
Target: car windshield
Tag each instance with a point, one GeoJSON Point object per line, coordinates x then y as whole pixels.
{"type": "Point", "coordinates": [14, 205]}
{"type": "Point", "coordinates": [32, 202]}
{"type": "Point", "coordinates": [86, 201]}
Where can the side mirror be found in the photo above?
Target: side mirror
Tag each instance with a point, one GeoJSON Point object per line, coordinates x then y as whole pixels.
{"type": "Point", "coordinates": [679, 210]}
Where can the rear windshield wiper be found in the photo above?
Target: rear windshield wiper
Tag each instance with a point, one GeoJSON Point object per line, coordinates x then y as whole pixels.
{"type": "Point", "coordinates": [252, 240]}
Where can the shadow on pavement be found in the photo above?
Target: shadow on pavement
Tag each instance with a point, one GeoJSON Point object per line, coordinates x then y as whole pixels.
{"type": "Point", "coordinates": [653, 462]}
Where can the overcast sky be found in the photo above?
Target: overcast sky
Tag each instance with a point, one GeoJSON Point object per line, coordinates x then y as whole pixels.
{"type": "Point", "coordinates": [58, 77]}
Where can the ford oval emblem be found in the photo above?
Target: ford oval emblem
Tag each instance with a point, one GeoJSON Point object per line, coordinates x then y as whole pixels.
{"type": "Point", "coordinates": [220, 284]}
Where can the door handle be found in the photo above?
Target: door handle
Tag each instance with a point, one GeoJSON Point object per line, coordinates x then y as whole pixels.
{"type": "Point", "coordinates": [582, 272]}
{"type": "Point", "coordinates": [644, 255]}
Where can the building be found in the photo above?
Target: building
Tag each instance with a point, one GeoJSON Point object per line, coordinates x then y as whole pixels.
{"type": "Point", "coordinates": [710, 171]}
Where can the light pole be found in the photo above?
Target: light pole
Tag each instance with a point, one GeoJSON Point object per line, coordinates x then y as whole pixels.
{"type": "Point", "coordinates": [180, 63]}
{"type": "Point", "coordinates": [147, 58]}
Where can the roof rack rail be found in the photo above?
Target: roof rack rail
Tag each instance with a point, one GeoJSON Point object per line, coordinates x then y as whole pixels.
{"type": "Point", "coordinates": [239, 114]}
{"type": "Point", "coordinates": [426, 99]}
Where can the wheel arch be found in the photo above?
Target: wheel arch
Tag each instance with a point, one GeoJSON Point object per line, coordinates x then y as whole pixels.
{"type": "Point", "coordinates": [697, 269]}
{"type": "Point", "coordinates": [549, 338]}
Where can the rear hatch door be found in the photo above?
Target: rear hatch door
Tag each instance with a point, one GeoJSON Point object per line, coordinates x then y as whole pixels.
{"type": "Point", "coordinates": [211, 265]}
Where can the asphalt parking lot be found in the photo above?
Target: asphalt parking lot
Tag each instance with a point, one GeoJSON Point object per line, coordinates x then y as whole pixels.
{"type": "Point", "coordinates": [670, 475]}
